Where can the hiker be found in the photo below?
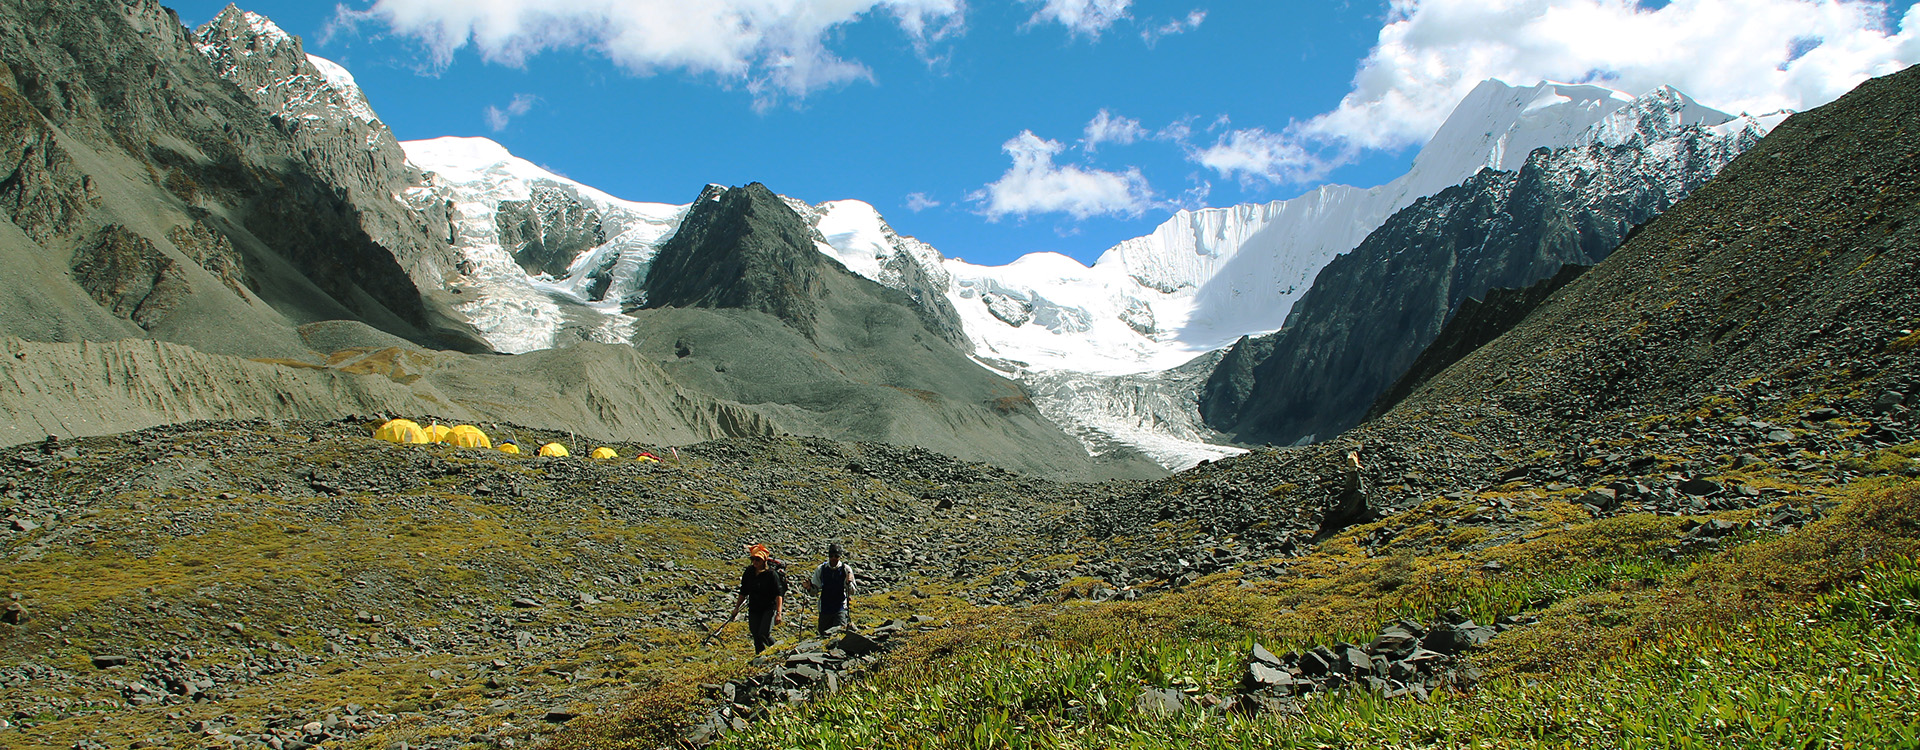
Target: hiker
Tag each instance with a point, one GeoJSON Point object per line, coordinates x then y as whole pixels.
{"type": "Point", "coordinates": [763, 588]}
{"type": "Point", "coordinates": [1349, 507]}
{"type": "Point", "coordinates": [834, 582]}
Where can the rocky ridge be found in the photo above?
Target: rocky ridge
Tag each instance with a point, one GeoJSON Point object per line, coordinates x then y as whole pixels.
{"type": "Point", "coordinates": [317, 104]}
{"type": "Point", "coordinates": [188, 214]}
{"type": "Point", "coordinates": [1371, 312]}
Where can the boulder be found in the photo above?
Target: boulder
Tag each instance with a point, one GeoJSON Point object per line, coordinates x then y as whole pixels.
{"type": "Point", "coordinates": [1698, 487]}
{"type": "Point", "coordinates": [1260, 676]}
{"type": "Point", "coordinates": [1447, 639]}
{"type": "Point", "coordinates": [1604, 499]}
{"type": "Point", "coordinates": [1157, 702]}
{"type": "Point", "coordinates": [1314, 664]}
{"type": "Point", "coordinates": [855, 644]}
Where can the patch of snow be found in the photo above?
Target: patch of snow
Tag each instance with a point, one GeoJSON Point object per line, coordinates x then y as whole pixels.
{"type": "Point", "coordinates": [342, 83]}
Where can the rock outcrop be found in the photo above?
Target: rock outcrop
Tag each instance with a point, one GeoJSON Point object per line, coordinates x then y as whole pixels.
{"type": "Point", "coordinates": [1371, 312]}
{"type": "Point", "coordinates": [741, 248]}
{"type": "Point", "coordinates": [1474, 324]}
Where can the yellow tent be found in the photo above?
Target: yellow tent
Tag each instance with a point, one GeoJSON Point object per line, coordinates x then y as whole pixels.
{"type": "Point", "coordinates": [647, 458]}
{"type": "Point", "coordinates": [467, 436]}
{"type": "Point", "coordinates": [437, 433]}
{"type": "Point", "coordinates": [509, 448]}
{"type": "Point", "coordinates": [401, 431]}
{"type": "Point", "coordinates": [553, 449]}
{"type": "Point", "coordinates": [604, 453]}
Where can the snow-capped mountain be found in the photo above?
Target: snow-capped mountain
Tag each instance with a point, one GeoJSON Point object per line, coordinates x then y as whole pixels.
{"type": "Point", "coordinates": [1371, 312]}
{"type": "Point", "coordinates": [1204, 278]}
{"type": "Point", "coordinates": [540, 260]}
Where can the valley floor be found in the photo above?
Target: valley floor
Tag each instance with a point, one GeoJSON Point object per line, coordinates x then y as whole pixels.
{"type": "Point", "coordinates": [299, 584]}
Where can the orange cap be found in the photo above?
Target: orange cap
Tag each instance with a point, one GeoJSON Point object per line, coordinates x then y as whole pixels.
{"type": "Point", "coordinates": [760, 551]}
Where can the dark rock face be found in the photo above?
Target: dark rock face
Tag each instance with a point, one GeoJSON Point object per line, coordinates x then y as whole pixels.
{"type": "Point", "coordinates": [130, 277]}
{"type": "Point", "coordinates": [546, 232]}
{"type": "Point", "coordinates": [1371, 312]}
{"type": "Point", "coordinates": [117, 128]}
{"type": "Point", "coordinates": [1474, 324]}
{"type": "Point", "coordinates": [1231, 383]}
{"type": "Point", "coordinates": [741, 248]}
{"type": "Point", "coordinates": [335, 132]}
{"type": "Point", "coordinates": [929, 295]}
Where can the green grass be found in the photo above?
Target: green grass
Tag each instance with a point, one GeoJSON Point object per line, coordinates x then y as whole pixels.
{"type": "Point", "coordinates": [1807, 640]}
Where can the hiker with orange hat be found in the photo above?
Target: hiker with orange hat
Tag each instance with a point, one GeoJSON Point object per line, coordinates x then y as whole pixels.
{"type": "Point", "coordinates": [763, 588]}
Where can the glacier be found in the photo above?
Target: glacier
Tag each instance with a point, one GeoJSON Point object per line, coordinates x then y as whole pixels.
{"type": "Point", "coordinates": [515, 310]}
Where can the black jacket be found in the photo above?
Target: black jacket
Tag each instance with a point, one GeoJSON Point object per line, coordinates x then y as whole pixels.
{"type": "Point", "coordinates": [762, 588]}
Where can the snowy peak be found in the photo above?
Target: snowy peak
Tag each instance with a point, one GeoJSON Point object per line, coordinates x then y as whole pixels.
{"type": "Point", "coordinates": [1204, 278]}
{"type": "Point", "coordinates": [274, 69]}
{"type": "Point", "coordinates": [345, 87]}
{"type": "Point", "coordinates": [854, 233]}
{"type": "Point", "coordinates": [1658, 114]}
{"type": "Point", "coordinates": [1498, 124]}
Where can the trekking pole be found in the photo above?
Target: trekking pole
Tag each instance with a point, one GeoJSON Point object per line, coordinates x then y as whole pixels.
{"type": "Point", "coordinates": [716, 632]}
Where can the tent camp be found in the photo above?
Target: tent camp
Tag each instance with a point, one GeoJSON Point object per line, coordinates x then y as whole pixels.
{"type": "Point", "coordinates": [401, 431]}
{"type": "Point", "coordinates": [553, 449]}
{"type": "Point", "coordinates": [604, 453]}
{"type": "Point", "coordinates": [437, 433]}
{"type": "Point", "coordinates": [509, 448]}
{"type": "Point", "coordinates": [467, 436]}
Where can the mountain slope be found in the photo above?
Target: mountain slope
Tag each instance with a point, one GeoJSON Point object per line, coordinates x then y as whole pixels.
{"type": "Point", "coordinates": [1371, 312]}
{"type": "Point", "coordinates": [1762, 326]}
{"type": "Point", "coordinates": [741, 303]}
{"type": "Point", "coordinates": [742, 248]}
{"type": "Point", "coordinates": [1788, 280]}
{"type": "Point", "coordinates": [1206, 277]}
{"type": "Point", "coordinates": [187, 211]}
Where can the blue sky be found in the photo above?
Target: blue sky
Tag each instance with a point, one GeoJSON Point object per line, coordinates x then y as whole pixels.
{"type": "Point", "coordinates": [985, 107]}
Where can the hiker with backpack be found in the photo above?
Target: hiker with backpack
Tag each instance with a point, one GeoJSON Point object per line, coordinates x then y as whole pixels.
{"type": "Point", "coordinates": [763, 588]}
{"type": "Point", "coordinates": [834, 582]}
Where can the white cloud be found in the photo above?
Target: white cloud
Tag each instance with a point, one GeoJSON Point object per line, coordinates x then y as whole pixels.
{"type": "Point", "coordinates": [498, 118]}
{"type": "Point", "coordinates": [917, 202]}
{"type": "Point", "coordinates": [1035, 185]}
{"type": "Point", "coordinates": [1152, 34]}
{"type": "Point", "coordinates": [1089, 17]}
{"type": "Point", "coordinates": [774, 48]}
{"type": "Point", "coordinates": [1737, 55]}
{"type": "Point", "coordinates": [1255, 154]}
{"type": "Point", "coordinates": [1108, 128]}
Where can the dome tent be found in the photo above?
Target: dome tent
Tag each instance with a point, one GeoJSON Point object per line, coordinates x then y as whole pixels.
{"type": "Point", "coordinates": [401, 431]}
{"type": "Point", "coordinates": [508, 447]}
{"type": "Point", "coordinates": [604, 453]}
{"type": "Point", "coordinates": [553, 449]}
{"type": "Point", "coordinates": [467, 436]}
{"type": "Point", "coordinates": [437, 433]}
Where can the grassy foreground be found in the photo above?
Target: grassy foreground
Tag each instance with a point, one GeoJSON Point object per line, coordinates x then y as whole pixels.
{"type": "Point", "coordinates": [1811, 639]}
